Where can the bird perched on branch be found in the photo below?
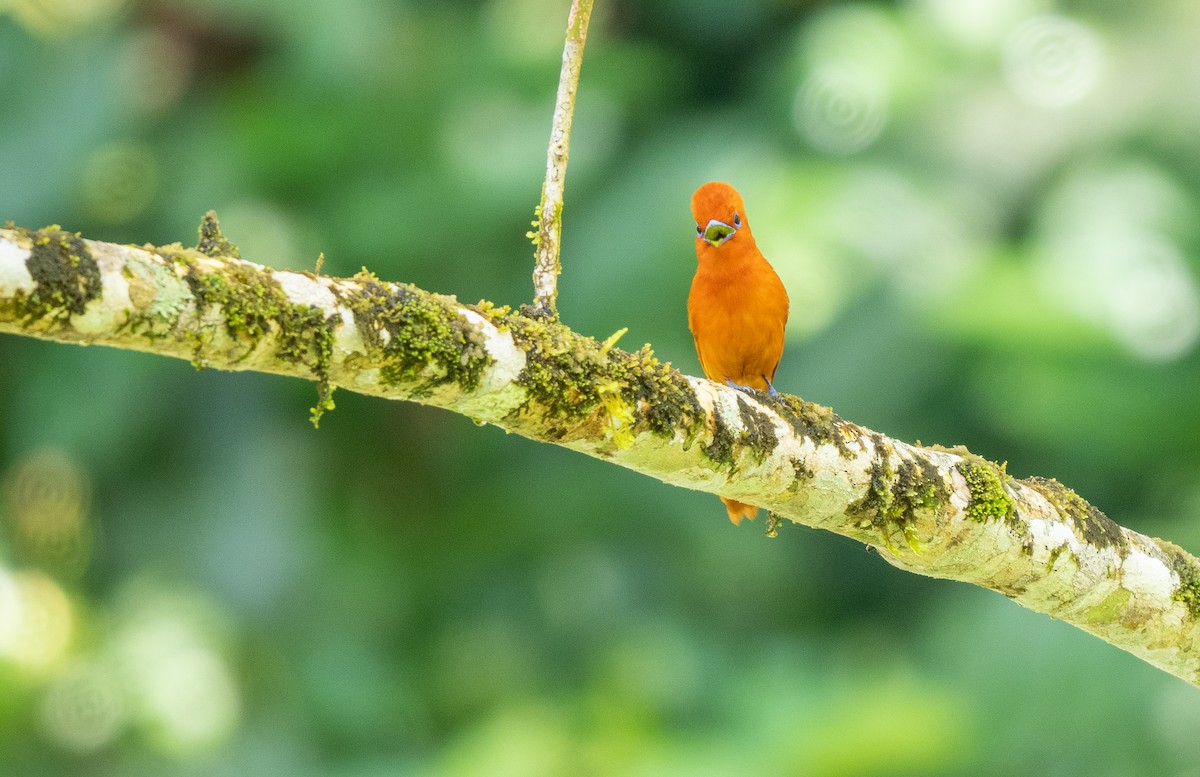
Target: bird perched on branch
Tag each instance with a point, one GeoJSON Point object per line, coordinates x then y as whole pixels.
{"type": "Point", "coordinates": [737, 307]}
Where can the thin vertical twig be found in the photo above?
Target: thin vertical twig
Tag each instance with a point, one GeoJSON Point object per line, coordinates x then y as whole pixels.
{"type": "Point", "coordinates": [549, 234]}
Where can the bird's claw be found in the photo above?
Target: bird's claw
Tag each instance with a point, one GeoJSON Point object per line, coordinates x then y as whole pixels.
{"type": "Point", "coordinates": [739, 387]}
{"type": "Point", "coordinates": [771, 392]}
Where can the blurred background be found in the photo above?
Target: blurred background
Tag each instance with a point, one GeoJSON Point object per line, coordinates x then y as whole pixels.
{"type": "Point", "coordinates": [984, 212]}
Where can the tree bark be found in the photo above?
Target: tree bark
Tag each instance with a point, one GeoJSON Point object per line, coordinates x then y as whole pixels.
{"type": "Point", "coordinates": [938, 512]}
{"type": "Point", "coordinates": [548, 237]}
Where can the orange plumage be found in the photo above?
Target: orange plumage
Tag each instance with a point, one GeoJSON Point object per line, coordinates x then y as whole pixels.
{"type": "Point", "coordinates": [737, 307]}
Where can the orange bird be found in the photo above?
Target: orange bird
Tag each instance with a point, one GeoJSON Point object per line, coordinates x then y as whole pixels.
{"type": "Point", "coordinates": [737, 307]}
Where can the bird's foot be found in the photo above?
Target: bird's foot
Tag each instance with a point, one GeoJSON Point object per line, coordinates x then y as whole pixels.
{"type": "Point", "coordinates": [771, 392]}
{"type": "Point", "coordinates": [739, 387]}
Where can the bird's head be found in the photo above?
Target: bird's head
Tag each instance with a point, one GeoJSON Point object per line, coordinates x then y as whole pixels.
{"type": "Point", "coordinates": [719, 213]}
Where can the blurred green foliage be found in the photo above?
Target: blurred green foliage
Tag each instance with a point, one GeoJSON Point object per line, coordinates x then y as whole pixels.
{"type": "Point", "coordinates": [984, 212]}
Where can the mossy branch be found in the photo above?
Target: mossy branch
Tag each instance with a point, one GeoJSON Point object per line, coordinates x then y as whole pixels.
{"type": "Point", "coordinates": [930, 510]}
{"type": "Point", "coordinates": [549, 210]}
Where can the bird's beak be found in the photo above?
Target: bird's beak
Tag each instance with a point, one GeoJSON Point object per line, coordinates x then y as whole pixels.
{"type": "Point", "coordinates": [717, 232]}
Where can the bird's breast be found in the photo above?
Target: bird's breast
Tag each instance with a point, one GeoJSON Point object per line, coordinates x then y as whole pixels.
{"type": "Point", "coordinates": [737, 312]}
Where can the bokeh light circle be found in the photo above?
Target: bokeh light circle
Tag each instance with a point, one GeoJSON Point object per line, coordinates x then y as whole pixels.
{"type": "Point", "coordinates": [84, 708]}
{"type": "Point", "coordinates": [1135, 284]}
{"type": "Point", "coordinates": [841, 109]}
{"type": "Point", "coordinates": [38, 620]}
{"type": "Point", "coordinates": [63, 17]}
{"type": "Point", "coordinates": [120, 181]}
{"type": "Point", "coordinates": [1051, 61]}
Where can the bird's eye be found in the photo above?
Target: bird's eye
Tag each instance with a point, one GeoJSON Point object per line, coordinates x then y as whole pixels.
{"type": "Point", "coordinates": [699, 230]}
{"type": "Point", "coordinates": [737, 220]}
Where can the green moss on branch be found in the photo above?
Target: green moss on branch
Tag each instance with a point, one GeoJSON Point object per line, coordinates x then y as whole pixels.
{"type": "Point", "coordinates": [989, 499]}
{"type": "Point", "coordinates": [897, 494]}
{"type": "Point", "coordinates": [254, 307]}
{"type": "Point", "coordinates": [1091, 525]}
{"type": "Point", "coordinates": [1188, 590]}
{"type": "Point", "coordinates": [65, 274]}
{"type": "Point", "coordinates": [816, 422]}
{"type": "Point", "coordinates": [417, 337]}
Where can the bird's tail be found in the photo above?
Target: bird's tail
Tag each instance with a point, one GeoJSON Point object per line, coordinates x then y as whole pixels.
{"type": "Point", "coordinates": [739, 510]}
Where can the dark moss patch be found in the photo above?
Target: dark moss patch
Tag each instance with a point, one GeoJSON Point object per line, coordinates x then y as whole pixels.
{"type": "Point", "coordinates": [756, 432]}
{"type": "Point", "coordinates": [572, 377]}
{"type": "Point", "coordinates": [802, 475]}
{"type": "Point", "coordinates": [540, 311]}
{"type": "Point", "coordinates": [895, 494]}
{"type": "Point", "coordinates": [816, 422]}
{"type": "Point", "coordinates": [1184, 565]}
{"type": "Point", "coordinates": [212, 242]}
{"type": "Point", "coordinates": [878, 498]}
{"type": "Point", "coordinates": [561, 367]}
{"type": "Point", "coordinates": [720, 449]}
{"type": "Point", "coordinates": [253, 305]}
{"type": "Point", "coordinates": [989, 500]}
{"type": "Point", "coordinates": [306, 336]}
{"type": "Point", "coordinates": [662, 397]}
{"type": "Point", "coordinates": [413, 330]}
{"type": "Point", "coordinates": [1093, 526]}
{"type": "Point", "coordinates": [758, 429]}
{"type": "Point", "coordinates": [66, 275]}
{"type": "Point", "coordinates": [919, 486]}
{"type": "Point", "coordinates": [249, 299]}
